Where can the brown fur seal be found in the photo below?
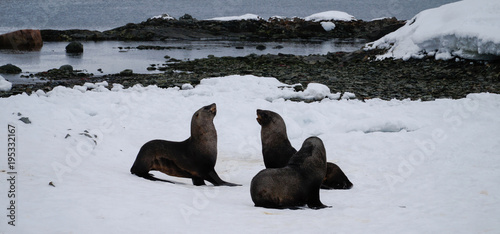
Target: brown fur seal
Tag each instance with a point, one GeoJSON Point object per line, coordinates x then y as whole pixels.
{"type": "Point", "coordinates": [296, 184]}
{"type": "Point", "coordinates": [193, 158]}
{"type": "Point", "coordinates": [277, 150]}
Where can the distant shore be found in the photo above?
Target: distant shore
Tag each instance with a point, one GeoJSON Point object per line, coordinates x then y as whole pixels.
{"type": "Point", "coordinates": [189, 28]}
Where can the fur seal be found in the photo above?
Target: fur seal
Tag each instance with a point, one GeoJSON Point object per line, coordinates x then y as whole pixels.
{"type": "Point", "coordinates": [296, 184]}
{"type": "Point", "coordinates": [277, 150]}
{"type": "Point", "coordinates": [193, 158]}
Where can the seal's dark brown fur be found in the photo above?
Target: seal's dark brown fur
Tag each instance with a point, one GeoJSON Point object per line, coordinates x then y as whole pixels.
{"type": "Point", "coordinates": [277, 150]}
{"type": "Point", "coordinates": [296, 184]}
{"type": "Point", "coordinates": [193, 158]}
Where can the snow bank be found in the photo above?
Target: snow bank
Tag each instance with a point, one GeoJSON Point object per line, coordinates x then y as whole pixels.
{"type": "Point", "coordinates": [330, 15]}
{"type": "Point", "coordinates": [468, 29]}
{"type": "Point", "coordinates": [241, 17]}
{"type": "Point", "coordinates": [418, 167]}
{"type": "Point", "coordinates": [4, 84]}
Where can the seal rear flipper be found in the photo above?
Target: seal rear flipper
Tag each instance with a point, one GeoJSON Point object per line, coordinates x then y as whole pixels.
{"type": "Point", "coordinates": [217, 181]}
{"type": "Point", "coordinates": [152, 178]}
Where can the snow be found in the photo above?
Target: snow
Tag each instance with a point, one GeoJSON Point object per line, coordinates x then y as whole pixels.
{"type": "Point", "coordinates": [417, 167]}
{"type": "Point", "coordinates": [5, 85]}
{"type": "Point", "coordinates": [328, 26]}
{"type": "Point", "coordinates": [330, 15]}
{"type": "Point", "coordinates": [241, 17]}
{"type": "Point", "coordinates": [322, 16]}
{"type": "Point", "coordinates": [467, 29]}
{"type": "Point", "coordinates": [163, 17]}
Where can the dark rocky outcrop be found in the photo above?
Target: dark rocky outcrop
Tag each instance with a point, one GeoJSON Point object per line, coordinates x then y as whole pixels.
{"type": "Point", "coordinates": [188, 28]}
{"type": "Point", "coordinates": [27, 39]}
{"type": "Point", "coordinates": [10, 69]}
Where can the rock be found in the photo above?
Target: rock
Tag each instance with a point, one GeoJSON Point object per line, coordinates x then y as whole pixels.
{"type": "Point", "coordinates": [187, 17]}
{"type": "Point", "coordinates": [25, 120]}
{"type": "Point", "coordinates": [10, 69]}
{"type": "Point", "coordinates": [74, 47]}
{"type": "Point", "coordinates": [127, 72]}
{"type": "Point", "coordinates": [27, 39]}
{"type": "Point", "coordinates": [261, 47]}
{"type": "Point", "coordinates": [66, 68]}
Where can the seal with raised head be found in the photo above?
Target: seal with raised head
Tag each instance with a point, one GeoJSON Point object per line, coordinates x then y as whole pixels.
{"type": "Point", "coordinates": [277, 150]}
{"type": "Point", "coordinates": [193, 158]}
{"type": "Point", "coordinates": [297, 184]}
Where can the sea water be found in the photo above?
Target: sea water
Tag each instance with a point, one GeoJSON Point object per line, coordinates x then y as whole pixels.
{"type": "Point", "coordinates": [107, 14]}
{"type": "Point", "coordinates": [109, 58]}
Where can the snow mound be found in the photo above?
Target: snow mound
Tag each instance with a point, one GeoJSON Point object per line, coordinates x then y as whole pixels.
{"type": "Point", "coordinates": [163, 17]}
{"type": "Point", "coordinates": [330, 15]}
{"type": "Point", "coordinates": [270, 89]}
{"type": "Point", "coordinates": [233, 18]}
{"type": "Point", "coordinates": [4, 84]}
{"type": "Point", "coordinates": [328, 26]}
{"type": "Point", "coordinates": [468, 29]}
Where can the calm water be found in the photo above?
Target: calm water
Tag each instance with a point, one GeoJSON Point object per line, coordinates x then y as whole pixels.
{"type": "Point", "coordinates": [107, 14]}
{"type": "Point", "coordinates": [112, 56]}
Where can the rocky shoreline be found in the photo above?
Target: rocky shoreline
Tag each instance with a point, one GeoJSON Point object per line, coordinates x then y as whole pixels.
{"type": "Point", "coordinates": [357, 72]}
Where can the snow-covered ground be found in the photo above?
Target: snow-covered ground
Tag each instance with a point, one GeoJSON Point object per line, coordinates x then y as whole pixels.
{"type": "Point", "coordinates": [322, 16]}
{"type": "Point", "coordinates": [330, 15]}
{"type": "Point", "coordinates": [241, 17]}
{"type": "Point", "coordinates": [417, 167]}
{"type": "Point", "coordinates": [468, 29]}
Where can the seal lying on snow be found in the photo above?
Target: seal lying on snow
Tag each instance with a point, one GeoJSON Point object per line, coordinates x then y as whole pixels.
{"type": "Point", "coordinates": [277, 150]}
{"type": "Point", "coordinates": [296, 184]}
{"type": "Point", "coordinates": [193, 158]}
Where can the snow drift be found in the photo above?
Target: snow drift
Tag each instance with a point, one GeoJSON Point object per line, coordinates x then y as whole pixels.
{"type": "Point", "coordinates": [467, 29]}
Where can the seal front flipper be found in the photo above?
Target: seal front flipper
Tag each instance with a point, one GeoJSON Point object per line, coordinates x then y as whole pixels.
{"type": "Point", "coordinates": [314, 202]}
{"type": "Point", "coordinates": [198, 181]}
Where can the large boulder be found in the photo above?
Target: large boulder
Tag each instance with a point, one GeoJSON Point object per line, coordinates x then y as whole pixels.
{"type": "Point", "coordinates": [10, 69]}
{"type": "Point", "coordinates": [27, 39]}
{"type": "Point", "coordinates": [74, 48]}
